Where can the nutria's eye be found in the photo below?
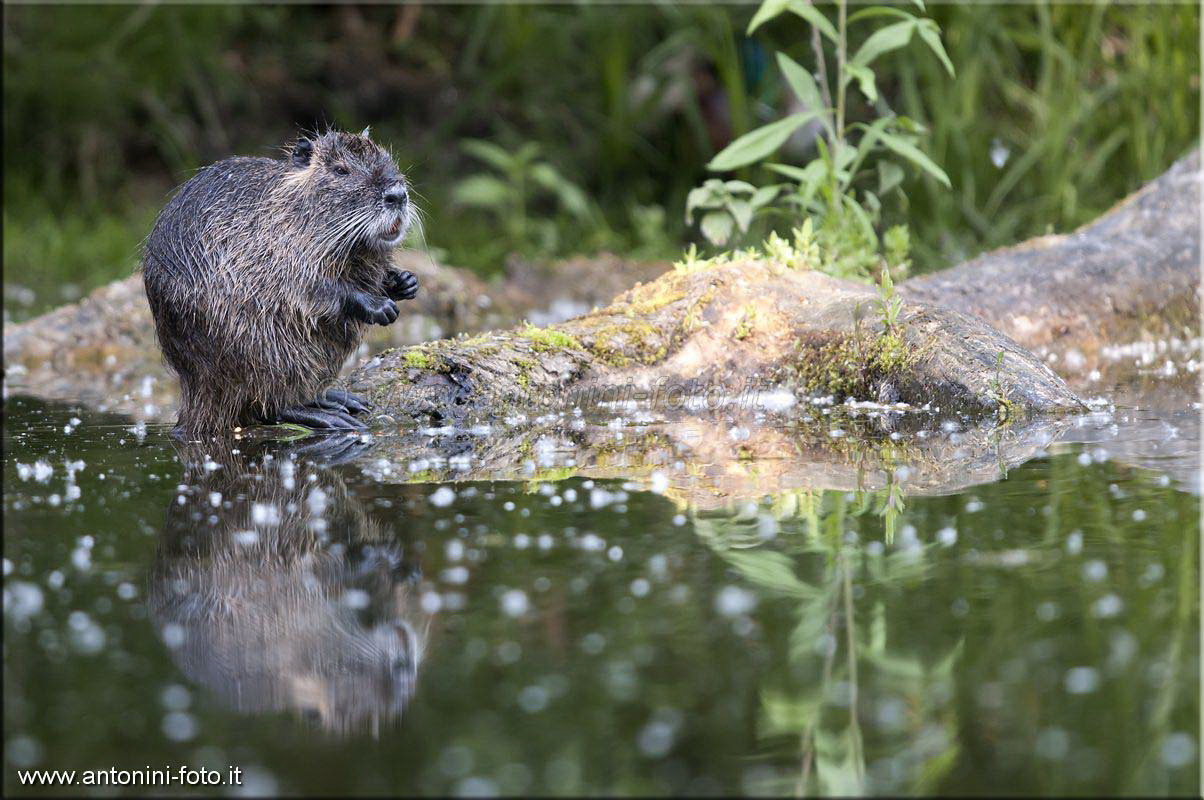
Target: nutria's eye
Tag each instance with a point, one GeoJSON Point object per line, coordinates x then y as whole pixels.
{"type": "Point", "coordinates": [340, 169]}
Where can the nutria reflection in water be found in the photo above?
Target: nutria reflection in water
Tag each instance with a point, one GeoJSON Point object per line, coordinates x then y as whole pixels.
{"type": "Point", "coordinates": [273, 589]}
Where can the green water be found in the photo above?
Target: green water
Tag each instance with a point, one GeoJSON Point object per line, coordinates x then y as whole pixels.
{"type": "Point", "coordinates": [330, 629]}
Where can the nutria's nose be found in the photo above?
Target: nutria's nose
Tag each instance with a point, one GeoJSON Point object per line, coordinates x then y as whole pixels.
{"type": "Point", "coordinates": [396, 195]}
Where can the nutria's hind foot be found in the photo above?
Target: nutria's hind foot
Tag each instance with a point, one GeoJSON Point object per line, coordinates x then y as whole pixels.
{"type": "Point", "coordinates": [401, 285]}
{"type": "Point", "coordinates": [338, 400]}
{"type": "Point", "coordinates": [318, 419]}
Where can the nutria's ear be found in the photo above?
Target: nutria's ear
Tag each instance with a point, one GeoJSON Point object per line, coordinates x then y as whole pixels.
{"type": "Point", "coordinates": [302, 151]}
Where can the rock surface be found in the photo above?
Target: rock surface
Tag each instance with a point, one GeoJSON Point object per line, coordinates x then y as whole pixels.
{"type": "Point", "coordinates": [729, 327]}
{"type": "Point", "coordinates": [1132, 274]}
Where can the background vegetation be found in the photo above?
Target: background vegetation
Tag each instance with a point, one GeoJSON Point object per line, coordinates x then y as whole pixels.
{"type": "Point", "coordinates": [608, 116]}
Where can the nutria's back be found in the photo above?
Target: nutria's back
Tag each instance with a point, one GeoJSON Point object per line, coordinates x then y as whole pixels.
{"type": "Point", "coordinates": [238, 270]}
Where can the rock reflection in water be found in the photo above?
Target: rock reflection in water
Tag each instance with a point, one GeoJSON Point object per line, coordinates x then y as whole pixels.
{"type": "Point", "coordinates": [275, 590]}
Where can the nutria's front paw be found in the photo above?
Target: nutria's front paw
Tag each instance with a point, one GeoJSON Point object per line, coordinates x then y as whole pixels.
{"type": "Point", "coordinates": [401, 285]}
{"type": "Point", "coordinates": [371, 309]}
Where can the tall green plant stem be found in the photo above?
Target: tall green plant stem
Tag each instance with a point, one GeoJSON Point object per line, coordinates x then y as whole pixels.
{"type": "Point", "coordinates": [838, 130]}
{"type": "Point", "coordinates": [822, 63]}
{"type": "Point", "coordinates": [841, 56]}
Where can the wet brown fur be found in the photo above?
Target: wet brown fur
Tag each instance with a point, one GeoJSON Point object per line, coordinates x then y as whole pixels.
{"type": "Point", "coordinates": [244, 268]}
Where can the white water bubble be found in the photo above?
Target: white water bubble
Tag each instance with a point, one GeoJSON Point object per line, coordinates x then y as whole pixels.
{"type": "Point", "coordinates": [316, 501]}
{"type": "Point", "coordinates": [1074, 543]}
{"type": "Point", "coordinates": [175, 697]}
{"type": "Point", "coordinates": [173, 635]}
{"type": "Point", "coordinates": [22, 599]}
{"type": "Point", "coordinates": [443, 496]}
{"type": "Point", "coordinates": [999, 153]}
{"type": "Point", "coordinates": [533, 699]}
{"type": "Point", "coordinates": [656, 738]}
{"type": "Point", "coordinates": [455, 575]}
{"type": "Point", "coordinates": [1178, 750]}
{"type": "Point", "coordinates": [515, 603]}
{"type": "Point", "coordinates": [1053, 744]}
{"type": "Point", "coordinates": [1095, 570]}
{"type": "Point", "coordinates": [1081, 680]}
{"type": "Point", "coordinates": [179, 726]}
{"type": "Point", "coordinates": [356, 599]}
{"type": "Point", "coordinates": [732, 601]}
{"type": "Point", "coordinates": [245, 538]}
{"type": "Point", "coordinates": [265, 514]}
{"type": "Point", "coordinates": [86, 635]}
{"type": "Point", "coordinates": [592, 542]}
{"type": "Point", "coordinates": [1107, 606]}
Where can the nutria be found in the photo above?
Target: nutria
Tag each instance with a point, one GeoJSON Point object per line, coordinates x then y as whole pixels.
{"type": "Point", "coordinates": [262, 273]}
{"type": "Point", "coordinates": [275, 589]}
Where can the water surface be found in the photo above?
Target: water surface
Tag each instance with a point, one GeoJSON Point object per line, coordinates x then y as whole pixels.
{"type": "Point", "coordinates": [422, 619]}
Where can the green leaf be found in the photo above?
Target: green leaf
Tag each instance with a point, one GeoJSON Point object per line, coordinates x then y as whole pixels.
{"type": "Point", "coordinates": [873, 204]}
{"type": "Point", "coordinates": [804, 87]}
{"type": "Point", "coordinates": [794, 173]}
{"type": "Point", "coordinates": [883, 40]}
{"type": "Point", "coordinates": [756, 145]}
{"type": "Point", "coordinates": [698, 198]}
{"type": "Point", "coordinates": [717, 227]}
{"type": "Point", "coordinates": [863, 220]}
{"type": "Point", "coordinates": [483, 191]}
{"type": "Point", "coordinates": [801, 82]}
{"type": "Point", "coordinates": [488, 152]}
{"type": "Point", "coordinates": [915, 156]}
{"type": "Point", "coordinates": [842, 155]}
{"type": "Point", "coordinates": [878, 11]}
{"type": "Point", "coordinates": [771, 570]}
{"type": "Point", "coordinates": [763, 196]}
{"type": "Point", "coordinates": [740, 187]}
{"type": "Point", "coordinates": [869, 139]}
{"type": "Point", "coordinates": [813, 15]}
{"type": "Point", "coordinates": [932, 37]}
{"type": "Point", "coordinates": [570, 196]}
{"type": "Point", "coordinates": [890, 175]}
{"type": "Point", "coordinates": [768, 10]}
{"type": "Point", "coordinates": [803, 8]}
{"type": "Point", "coordinates": [742, 212]}
{"type": "Point", "coordinates": [865, 80]}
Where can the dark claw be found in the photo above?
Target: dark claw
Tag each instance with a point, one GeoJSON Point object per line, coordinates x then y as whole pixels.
{"type": "Point", "coordinates": [349, 402]}
{"type": "Point", "coordinates": [384, 314]}
{"type": "Point", "coordinates": [371, 309]}
{"type": "Point", "coordinates": [401, 285]}
{"type": "Point", "coordinates": [319, 419]}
